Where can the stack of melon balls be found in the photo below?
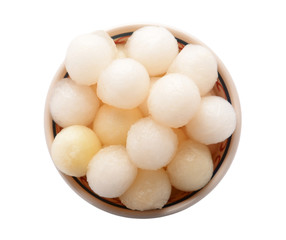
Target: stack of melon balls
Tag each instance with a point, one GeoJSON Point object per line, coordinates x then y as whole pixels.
{"type": "Point", "coordinates": [137, 118]}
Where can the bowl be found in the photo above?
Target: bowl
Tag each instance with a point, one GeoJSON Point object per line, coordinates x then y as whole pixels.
{"type": "Point", "coordinates": [222, 153]}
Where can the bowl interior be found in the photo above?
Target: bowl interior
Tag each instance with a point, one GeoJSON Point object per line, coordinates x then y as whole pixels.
{"type": "Point", "coordinates": [179, 199]}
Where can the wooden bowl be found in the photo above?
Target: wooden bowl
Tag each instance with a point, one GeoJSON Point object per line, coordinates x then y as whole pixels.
{"type": "Point", "coordinates": [222, 153]}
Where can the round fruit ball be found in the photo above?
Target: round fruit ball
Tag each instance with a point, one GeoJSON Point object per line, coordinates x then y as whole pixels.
{"type": "Point", "coordinates": [214, 121]}
{"type": "Point", "coordinates": [112, 124]}
{"type": "Point", "coordinates": [192, 167]}
{"type": "Point", "coordinates": [73, 104]}
{"type": "Point", "coordinates": [155, 47]}
{"type": "Point", "coordinates": [106, 36]}
{"type": "Point", "coordinates": [123, 84]}
{"type": "Point", "coordinates": [173, 100]}
{"type": "Point", "coordinates": [73, 148]}
{"type": "Point", "coordinates": [198, 63]}
{"type": "Point", "coordinates": [110, 172]}
{"type": "Point", "coordinates": [87, 55]}
{"type": "Point", "coordinates": [150, 145]}
{"type": "Point", "coordinates": [150, 190]}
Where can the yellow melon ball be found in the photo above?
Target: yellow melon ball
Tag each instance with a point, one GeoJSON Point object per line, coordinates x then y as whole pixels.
{"type": "Point", "coordinates": [112, 124]}
{"type": "Point", "coordinates": [73, 148]}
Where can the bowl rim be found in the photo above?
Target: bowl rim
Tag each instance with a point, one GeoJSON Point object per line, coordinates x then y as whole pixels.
{"type": "Point", "coordinates": [223, 168]}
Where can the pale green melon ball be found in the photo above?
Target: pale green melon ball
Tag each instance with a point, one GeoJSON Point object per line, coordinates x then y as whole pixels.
{"type": "Point", "coordinates": [123, 84]}
{"type": "Point", "coordinates": [192, 167]}
{"type": "Point", "coordinates": [73, 148]}
{"type": "Point", "coordinates": [198, 63]}
{"type": "Point", "coordinates": [110, 172]}
{"type": "Point", "coordinates": [173, 100]}
{"type": "Point", "coordinates": [86, 57]}
{"type": "Point", "coordinates": [151, 145]}
{"type": "Point", "coordinates": [150, 190]}
{"type": "Point", "coordinates": [73, 104]}
{"type": "Point", "coordinates": [155, 47]}
{"type": "Point", "coordinates": [214, 121]}
{"type": "Point", "coordinates": [112, 124]}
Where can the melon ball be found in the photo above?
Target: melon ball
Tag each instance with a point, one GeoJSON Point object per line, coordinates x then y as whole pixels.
{"type": "Point", "coordinates": [151, 145]}
{"type": "Point", "coordinates": [112, 124]}
{"type": "Point", "coordinates": [86, 56]}
{"type": "Point", "coordinates": [150, 190]}
{"type": "Point", "coordinates": [73, 148]}
{"type": "Point", "coordinates": [214, 122]}
{"type": "Point", "coordinates": [110, 172]}
{"type": "Point", "coordinates": [155, 47]}
{"type": "Point", "coordinates": [144, 105]}
{"type": "Point", "coordinates": [199, 64]}
{"type": "Point", "coordinates": [123, 84]}
{"type": "Point", "coordinates": [173, 100]}
{"type": "Point", "coordinates": [73, 104]}
{"type": "Point", "coordinates": [192, 167]}
{"type": "Point", "coordinates": [121, 53]}
{"type": "Point", "coordinates": [106, 36]}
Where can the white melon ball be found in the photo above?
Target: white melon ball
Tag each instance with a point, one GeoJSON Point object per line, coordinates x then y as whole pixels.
{"type": "Point", "coordinates": [73, 104]}
{"type": "Point", "coordinates": [144, 105]}
{"type": "Point", "coordinates": [155, 47]}
{"type": "Point", "coordinates": [214, 122]}
{"type": "Point", "coordinates": [110, 172]}
{"type": "Point", "coordinates": [150, 190]}
{"type": "Point", "coordinates": [106, 36]}
{"type": "Point", "coordinates": [192, 167]}
{"type": "Point", "coordinates": [173, 100]}
{"type": "Point", "coordinates": [123, 84]}
{"type": "Point", "coordinates": [73, 148]}
{"type": "Point", "coordinates": [199, 64]}
{"type": "Point", "coordinates": [86, 57]}
{"type": "Point", "coordinates": [112, 124]}
{"type": "Point", "coordinates": [150, 145]}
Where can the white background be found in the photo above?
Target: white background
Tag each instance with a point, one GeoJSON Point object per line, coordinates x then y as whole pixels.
{"type": "Point", "coordinates": [249, 37]}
